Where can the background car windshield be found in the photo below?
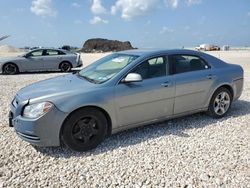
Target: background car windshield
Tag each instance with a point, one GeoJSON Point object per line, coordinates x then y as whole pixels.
{"type": "Point", "coordinates": [107, 67]}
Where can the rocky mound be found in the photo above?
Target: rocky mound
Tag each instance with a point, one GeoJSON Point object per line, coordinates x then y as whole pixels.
{"type": "Point", "coordinates": [9, 49]}
{"type": "Point", "coordinates": [105, 45]}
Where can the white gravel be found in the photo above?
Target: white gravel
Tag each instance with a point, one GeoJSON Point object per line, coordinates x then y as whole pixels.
{"type": "Point", "coordinates": [194, 151]}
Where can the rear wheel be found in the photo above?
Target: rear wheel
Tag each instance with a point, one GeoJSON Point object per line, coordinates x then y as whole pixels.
{"type": "Point", "coordinates": [84, 129]}
{"type": "Point", "coordinates": [65, 66]}
{"type": "Point", "coordinates": [10, 69]}
{"type": "Point", "coordinates": [220, 103]}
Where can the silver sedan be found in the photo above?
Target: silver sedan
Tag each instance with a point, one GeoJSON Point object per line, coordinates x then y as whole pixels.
{"type": "Point", "coordinates": [41, 60]}
{"type": "Point", "coordinates": [121, 91]}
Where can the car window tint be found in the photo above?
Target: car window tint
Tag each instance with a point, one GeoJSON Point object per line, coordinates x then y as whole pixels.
{"type": "Point", "coordinates": [51, 52]}
{"type": "Point", "coordinates": [61, 53]}
{"type": "Point", "coordinates": [36, 53]}
{"type": "Point", "coordinates": [116, 63]}
{"type": "Point", "coordinates": [152, 68]}
{"type": "Point", "coordinates": [155, 61]}
{"type": "Point", "coordinates": [107, 67]}
{"type": "Point", "coordinates": [187, 63]}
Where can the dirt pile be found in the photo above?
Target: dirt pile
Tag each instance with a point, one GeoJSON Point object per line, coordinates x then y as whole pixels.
{"type": "Point", "coordinates": [105, 45]}
{"type": "Point", "coordinates": [9, 49]}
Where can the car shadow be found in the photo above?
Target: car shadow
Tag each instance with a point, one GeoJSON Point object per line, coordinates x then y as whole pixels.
{"type": "Point", "coordinates": [42, 72]}
{"type": "Point", "coordinates": [177, 127]}
{"type": "Point", "coordinates": [30, 73]}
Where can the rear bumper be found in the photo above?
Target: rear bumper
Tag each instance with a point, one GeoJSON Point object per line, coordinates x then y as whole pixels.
{"type": "Point", "coordinates": [43, 131]}
{"type": "Point", "coordinates": [238, 87]}
{"type": "Point", "coordinates": [1, 68]}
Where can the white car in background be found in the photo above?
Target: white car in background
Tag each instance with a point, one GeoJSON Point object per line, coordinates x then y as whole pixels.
{"type": "Point", "coordinates": [44, 59]}
{"type": "Point", "coordinates": [207, 47]}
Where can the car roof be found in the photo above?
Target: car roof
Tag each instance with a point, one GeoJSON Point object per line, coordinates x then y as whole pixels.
{"type": "Point", "coordinates": [155, 52]}
{"type": "Point", "coordinates": [148, 52]}
{"type": "Point", "coordinates": [65, 51]}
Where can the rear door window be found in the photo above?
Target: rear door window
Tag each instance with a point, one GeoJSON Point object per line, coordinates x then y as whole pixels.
{"type": "Point", "coordinates": [187, 63]}
{"type": "Point", "coordinates": [51, 52]}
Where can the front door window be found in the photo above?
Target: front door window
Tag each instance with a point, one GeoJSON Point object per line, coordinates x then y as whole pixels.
{"type": "Point", "coordinates": [152, 68]}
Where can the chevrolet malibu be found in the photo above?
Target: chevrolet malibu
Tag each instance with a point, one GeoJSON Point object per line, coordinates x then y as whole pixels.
{"type": "Point", "coordinates": [40, 60]}
{"type": "Point", "coordinates": [121, 91]}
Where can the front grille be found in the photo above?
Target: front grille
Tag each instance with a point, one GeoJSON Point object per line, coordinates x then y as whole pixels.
{"type": "Point", "coordinates": [28, 136]}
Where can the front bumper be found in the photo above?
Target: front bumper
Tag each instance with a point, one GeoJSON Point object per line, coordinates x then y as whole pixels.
{"type": "Point", "coordinates": [43, 131]}
{"type": "Point", "coordinates": [1, 68]}
{"type": "Point", "coordinates": [80, 65]}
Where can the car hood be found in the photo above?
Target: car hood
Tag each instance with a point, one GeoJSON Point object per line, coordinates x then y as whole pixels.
{"type": "Point", "coordinates": [57, 86]}
{"type": "Point", "coordinates": [7, 59]}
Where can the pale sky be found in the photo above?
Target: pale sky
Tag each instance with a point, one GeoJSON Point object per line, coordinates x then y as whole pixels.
{"type": "Point", "coordinates": [145, 23]}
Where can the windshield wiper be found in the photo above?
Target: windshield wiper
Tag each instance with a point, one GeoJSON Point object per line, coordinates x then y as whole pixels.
{"type": "Point", "coordinates": [88, 79]}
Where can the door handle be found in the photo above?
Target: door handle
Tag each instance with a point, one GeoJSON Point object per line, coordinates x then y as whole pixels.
{"type": "Point", "coordinates": [166, 84]}
{"type": "Point", "coordinates": [210, 76]}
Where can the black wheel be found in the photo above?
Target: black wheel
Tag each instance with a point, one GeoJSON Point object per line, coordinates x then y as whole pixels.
{"type": "Point", "coordinates": [65, 66]}
{"type": "Point", "coordinates": [10, 69]}
{"type": "Point", "coordinates": [84, 129]}
{"type": "Point", "coordinates": [220, 103]}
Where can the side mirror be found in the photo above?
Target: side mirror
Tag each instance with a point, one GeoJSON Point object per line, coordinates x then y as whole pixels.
{"type": "Point", "coordinates": [26, 56]}
{"type": "Point", "coordinates": [132, 77]}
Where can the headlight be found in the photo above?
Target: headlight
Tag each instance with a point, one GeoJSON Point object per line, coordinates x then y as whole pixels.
{"type": "Point", "coordinates": [37, 110]}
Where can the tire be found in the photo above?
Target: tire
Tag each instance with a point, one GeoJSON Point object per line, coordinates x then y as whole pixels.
{"type": "Point", "coordinates": [10, 69]}
{"type": "Point", "coordinates": [65, 66]}
{"type": "Point", "coordinates": [84, 130]}
{"type": "Point", "coordinates": [220, 103]}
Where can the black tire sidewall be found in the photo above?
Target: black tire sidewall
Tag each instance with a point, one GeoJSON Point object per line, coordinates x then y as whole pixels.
{"type": "Point", "coordinates": [17, 70]}
{"type": "Point", "coordinates": [65, 62]}
{"type": "Point", "coordinates": [211, 111]}
{"type": "Point", "coordinates": [67, 137]}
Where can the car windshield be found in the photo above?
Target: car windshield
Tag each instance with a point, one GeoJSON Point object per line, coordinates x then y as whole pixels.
{"type": "Point", "coordinates": [106, 68]}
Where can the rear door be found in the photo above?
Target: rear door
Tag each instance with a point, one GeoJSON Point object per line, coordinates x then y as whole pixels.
{"type": "Point", "coordinates": [52, 59]}
{"type": "Point", "coordinates": [193, 80]}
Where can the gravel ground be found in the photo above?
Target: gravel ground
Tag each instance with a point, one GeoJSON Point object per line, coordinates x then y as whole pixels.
{"type": "Point", "coordinates": [194, 151]}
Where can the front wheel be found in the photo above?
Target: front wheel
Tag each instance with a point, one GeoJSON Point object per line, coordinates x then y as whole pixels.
{"type": "Point", "coordinates": [85, 129]}
{"type": "Point", "coordinates": [220, 103]}
{"type": "Point", "coordinates": [10, 69]}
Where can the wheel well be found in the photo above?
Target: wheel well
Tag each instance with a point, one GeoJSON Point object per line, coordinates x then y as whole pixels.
{"type": "Point", "coordinates": [65, 62]}
{"type": "Point", "coordinates": [229, 88]}
{"type": "Point", "coordinates": [10, 63]}
{"type": "Point", "coordinates": [93, 107]}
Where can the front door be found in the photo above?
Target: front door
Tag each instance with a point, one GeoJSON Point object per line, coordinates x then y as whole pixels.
{"type": "Point", "coordinates": [149, 100]}
{"type": "Point", "coordinates": [33, 61]}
